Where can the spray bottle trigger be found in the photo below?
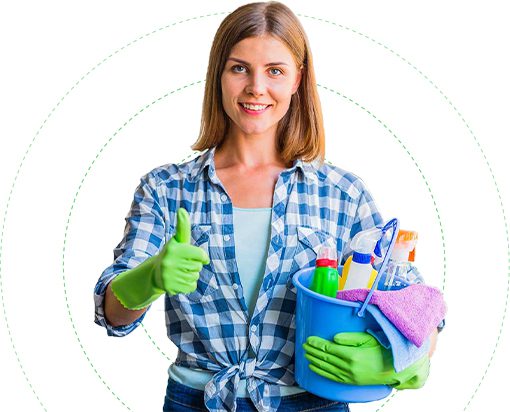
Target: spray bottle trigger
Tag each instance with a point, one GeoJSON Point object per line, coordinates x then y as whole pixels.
{"type": "Point", "coordinates": [377, 250]}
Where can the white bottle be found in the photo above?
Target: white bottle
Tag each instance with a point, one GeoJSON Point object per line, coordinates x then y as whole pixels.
{"type": "Point", "coordinates": [358, 272]}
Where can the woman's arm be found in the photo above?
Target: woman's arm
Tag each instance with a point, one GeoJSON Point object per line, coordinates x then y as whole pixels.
{"type": "Point", "coordinates": [116, 314]}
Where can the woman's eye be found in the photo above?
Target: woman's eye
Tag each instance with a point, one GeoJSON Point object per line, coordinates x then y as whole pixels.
{"type": "Point", "coordinates": [234, 68]}
{"type": "Point", "coordinates": [277, 70]}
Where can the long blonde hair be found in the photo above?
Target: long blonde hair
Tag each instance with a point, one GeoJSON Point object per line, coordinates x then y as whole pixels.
{"type": "Point", "coordinates": [300, 133]}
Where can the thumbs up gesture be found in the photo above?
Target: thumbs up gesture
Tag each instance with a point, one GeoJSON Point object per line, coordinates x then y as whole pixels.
{"type": "Point", "coordinates": [180, 262]}
{"type": "Point", "coordinates": [174, 270]}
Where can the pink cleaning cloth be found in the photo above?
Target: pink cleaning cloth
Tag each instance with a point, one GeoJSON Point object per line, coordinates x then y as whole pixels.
{"type": "Point", "coordinates": [415, 310]}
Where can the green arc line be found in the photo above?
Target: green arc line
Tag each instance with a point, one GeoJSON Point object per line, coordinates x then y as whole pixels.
{"type": "Point", "coordinates": [194, 18]}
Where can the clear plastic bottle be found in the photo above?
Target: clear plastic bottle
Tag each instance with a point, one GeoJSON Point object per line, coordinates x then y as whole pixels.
{"type": "Point", "coordinates": [399, 272]}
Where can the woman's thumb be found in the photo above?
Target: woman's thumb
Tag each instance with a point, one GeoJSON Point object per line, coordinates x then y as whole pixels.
{"type": "Point", "coordinates": [183, 228]}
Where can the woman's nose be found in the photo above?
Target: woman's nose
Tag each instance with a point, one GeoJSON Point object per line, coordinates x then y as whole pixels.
{"type": "Point", "coordinates": [256, 84]}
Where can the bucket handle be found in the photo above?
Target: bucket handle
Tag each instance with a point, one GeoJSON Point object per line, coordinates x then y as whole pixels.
{"type": "Point", "coordinates": [392, 224]}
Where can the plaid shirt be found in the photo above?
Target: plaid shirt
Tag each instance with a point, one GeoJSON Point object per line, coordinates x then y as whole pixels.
{"type": "Point", "coordinates": [312, 205]}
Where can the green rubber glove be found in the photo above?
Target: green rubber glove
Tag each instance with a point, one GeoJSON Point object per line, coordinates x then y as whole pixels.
{"type": "Point", "coordinates": [175, 269]}
{"type": "Point", "coordinates": [357, 358]}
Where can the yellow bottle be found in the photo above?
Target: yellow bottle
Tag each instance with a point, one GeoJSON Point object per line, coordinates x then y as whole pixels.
{"type": "Point", "coordinates": [358, 272]}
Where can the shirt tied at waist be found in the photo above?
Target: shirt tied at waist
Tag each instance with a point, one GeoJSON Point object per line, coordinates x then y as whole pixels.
{"type": "Point", "coordinates": [220, 391]}
{"type": "Point", "coordinates": [247, 368]}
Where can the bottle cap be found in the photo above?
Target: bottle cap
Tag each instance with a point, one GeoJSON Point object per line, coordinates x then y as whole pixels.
{"type": "Point", "coordinates": [405, 246]}
{"type": "Point", "coordinates": [406, 236]}
{"type": "Point", "coordinates": [327, 257]}
{"type": "Point", "coordinates": [362, 258]}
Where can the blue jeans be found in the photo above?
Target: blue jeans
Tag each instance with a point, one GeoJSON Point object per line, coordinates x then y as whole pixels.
{"type": "Point", "coordinates": [181, 398]}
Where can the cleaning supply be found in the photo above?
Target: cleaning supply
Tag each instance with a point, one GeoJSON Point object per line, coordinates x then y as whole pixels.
{"type": "Point", "coordinates": [174, 270]}
{"type": "Point", "coordinates": [403, 351]}
{"type": "Point", "coordinates": [325, 276]}
{"type": "Point", "coordinates": [400, 272]}
{"type": "Point", "coordinates": [358, 272]}
{"type": "Point", "coordinates": [318, 315]}
{"type": "Point", "coordinates": [357, 358]}
{"type": "Point", "coordinates": [415, 310]}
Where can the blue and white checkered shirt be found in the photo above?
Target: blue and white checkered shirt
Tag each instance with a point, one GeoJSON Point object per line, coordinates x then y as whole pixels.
{"type": "Point", "coordinates": [312, 205]}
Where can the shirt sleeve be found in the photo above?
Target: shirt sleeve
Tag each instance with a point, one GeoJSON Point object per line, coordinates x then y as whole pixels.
{"type": "Point", "coordinates": [144, 235]}
{"type": "Point", "coordinates": [367, 216]}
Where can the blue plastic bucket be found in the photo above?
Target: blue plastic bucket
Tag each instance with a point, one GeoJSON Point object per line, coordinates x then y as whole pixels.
{"type": "Point", "coordinates": [319, 315]}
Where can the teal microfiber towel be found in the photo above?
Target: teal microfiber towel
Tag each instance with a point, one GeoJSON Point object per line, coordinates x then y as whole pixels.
{"type": "Point", "coordinates": [404, 352]}
{"type": "Point", "coordinates": [415, 310]}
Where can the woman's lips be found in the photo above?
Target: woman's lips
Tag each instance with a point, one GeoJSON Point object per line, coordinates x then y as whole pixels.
{"type": "Point", "coordinates": [254, 112]}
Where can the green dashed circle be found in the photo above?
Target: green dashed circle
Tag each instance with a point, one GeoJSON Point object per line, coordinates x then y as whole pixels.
{"type": "Point", "coordinates": [216, 14]}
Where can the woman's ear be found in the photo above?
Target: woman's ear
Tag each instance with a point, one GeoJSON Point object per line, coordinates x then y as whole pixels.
{"type": "Point", "coordinates": [298, 80]}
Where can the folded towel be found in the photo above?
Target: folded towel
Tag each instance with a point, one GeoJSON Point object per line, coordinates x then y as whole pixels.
{"type": "Point", "coordinates": [404, 352]}
{"type": "Point", "coordinates": [415, 310]}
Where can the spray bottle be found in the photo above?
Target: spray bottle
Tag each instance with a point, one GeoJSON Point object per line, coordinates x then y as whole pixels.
{"type": "Point", "coordinates": [325, 276]}
{"type": "Point", "coordinates": [358, 272]}
{"type": "Point", "coordinates": [398, 273]}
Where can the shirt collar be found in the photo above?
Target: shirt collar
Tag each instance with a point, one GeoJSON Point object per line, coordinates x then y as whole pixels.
{"type": "Point", "coordinates": [206, 160]}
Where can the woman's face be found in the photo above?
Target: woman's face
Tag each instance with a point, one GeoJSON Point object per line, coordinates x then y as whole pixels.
{"type": "Point", "coordinates": [259, 78]}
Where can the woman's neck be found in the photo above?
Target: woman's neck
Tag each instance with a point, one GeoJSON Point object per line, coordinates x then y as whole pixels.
{"type": "Point", "coordinates": [248, 153]}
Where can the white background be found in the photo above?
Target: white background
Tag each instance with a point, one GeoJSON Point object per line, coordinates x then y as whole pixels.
{"type": "Point", "coordinates": [53, 357]}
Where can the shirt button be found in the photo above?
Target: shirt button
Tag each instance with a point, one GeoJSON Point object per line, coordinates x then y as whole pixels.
{"type": "Point", "coordinates": [235, 286]}
{"type": "Point", "coordinates": [253, 328]}
{"type": "Point", "coordinates": [226, 237]}
{"type": "Point", "coordinates": [269, 283]}
{"type": "Point", "coordinates": [223, 198]}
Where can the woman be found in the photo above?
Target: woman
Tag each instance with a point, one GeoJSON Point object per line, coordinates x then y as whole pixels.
{"type": "Point", "coordinates": [223, 234]}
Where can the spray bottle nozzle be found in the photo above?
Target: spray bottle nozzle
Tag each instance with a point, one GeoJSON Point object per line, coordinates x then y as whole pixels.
{"type": "Point", "coordinates": [378, 247]}
{"type": "Point", "coordinates": [366, 241]}
{"type": "Point", "coordinates": [327, 257]}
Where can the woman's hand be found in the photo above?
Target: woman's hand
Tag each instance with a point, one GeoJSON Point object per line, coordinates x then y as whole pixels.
{"type": "Point", "coordinates": [179, 263]}
{"type": "Point", "coordinates": [176, 269]}
{"type": "Point", "coordinates": [357, 358]}
{"type": "Point", "coordinates": [433, 342]}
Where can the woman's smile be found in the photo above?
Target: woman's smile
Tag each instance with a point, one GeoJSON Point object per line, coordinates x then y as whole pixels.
{"type": "Point", "coordinates": [255, 109]}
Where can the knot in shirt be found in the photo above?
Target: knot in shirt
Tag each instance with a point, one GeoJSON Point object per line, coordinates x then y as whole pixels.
{"type": "Point", "coordinates": [246, 368]}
